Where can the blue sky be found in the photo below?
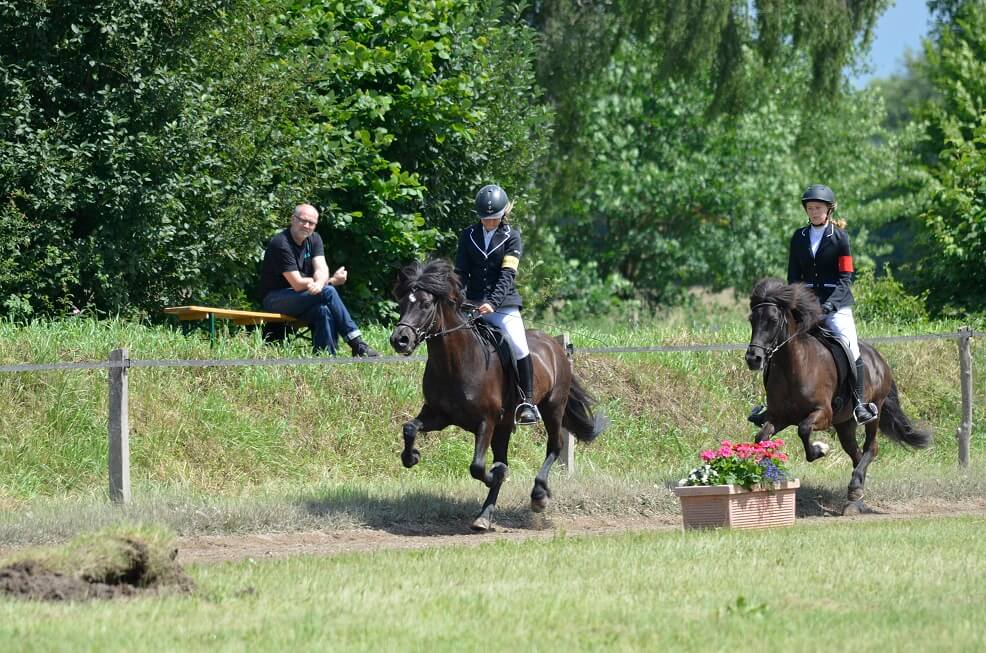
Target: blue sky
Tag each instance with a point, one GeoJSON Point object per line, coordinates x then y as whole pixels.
{"type": "Point", "coordinates": [900, 28]}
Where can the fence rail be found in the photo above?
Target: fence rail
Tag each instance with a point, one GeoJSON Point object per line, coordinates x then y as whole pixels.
{"type": "Point", "coordinates": [119, 363]}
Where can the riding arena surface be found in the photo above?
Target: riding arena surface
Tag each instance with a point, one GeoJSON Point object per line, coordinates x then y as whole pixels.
{"type": "Point", "coordinates": [208, 549]}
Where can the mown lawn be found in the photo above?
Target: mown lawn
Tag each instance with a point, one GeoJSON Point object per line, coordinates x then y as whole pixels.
{"type": "Point", "coordinates": [833, 585]}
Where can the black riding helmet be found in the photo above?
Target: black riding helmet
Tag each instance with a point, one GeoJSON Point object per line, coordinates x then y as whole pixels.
{"type": "Point", "coordinates": [818, 193]}
{"type": "Point", "coordinates": [491, 200]}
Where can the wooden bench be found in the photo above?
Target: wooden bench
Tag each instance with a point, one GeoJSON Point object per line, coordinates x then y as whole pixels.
{"type": "Point", "coordinates": [187, 314]}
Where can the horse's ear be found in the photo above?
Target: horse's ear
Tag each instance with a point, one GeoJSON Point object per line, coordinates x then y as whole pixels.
{"type": "Point", "coordinates": [402, 283]}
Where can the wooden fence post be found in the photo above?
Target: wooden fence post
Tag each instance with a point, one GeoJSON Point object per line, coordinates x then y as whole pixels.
{"type": "Point", "coordinates": [568, 441]}
{"type": "Point", "coordinates": [119, 429]}
{"type": "Point", "coordinates": [964, 432]}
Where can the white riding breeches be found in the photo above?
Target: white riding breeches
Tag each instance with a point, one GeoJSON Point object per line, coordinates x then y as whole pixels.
{"type": "Point", "coordinates": [508, 320]}
{"type": "Point", "coordinates": [842, 323]}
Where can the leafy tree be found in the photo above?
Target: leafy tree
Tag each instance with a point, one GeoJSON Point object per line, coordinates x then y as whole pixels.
{"type": "Point", "coordinates": [666, 195]}
{"type": "Point", "coordinates": [148, 151]}
{"type": "Point", "coordinates": [685, 132]}
{"type": "Point", "coordinates": [953, 269]}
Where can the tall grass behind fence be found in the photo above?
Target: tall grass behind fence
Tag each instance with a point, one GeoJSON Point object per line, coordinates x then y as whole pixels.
{"type": "Point", "coordinates": [232, 429]}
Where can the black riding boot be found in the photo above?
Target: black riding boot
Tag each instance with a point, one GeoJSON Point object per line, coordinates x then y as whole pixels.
{"type": "Point", "coordinates": [865, 412]}
{"type": "Point", "coordinates": [527, 412]}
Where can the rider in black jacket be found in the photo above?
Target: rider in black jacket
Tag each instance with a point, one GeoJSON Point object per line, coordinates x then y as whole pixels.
{"type": "Point", "coordinates": [819, 257]}
{"type": "Point", "coordinates": [487, 259]}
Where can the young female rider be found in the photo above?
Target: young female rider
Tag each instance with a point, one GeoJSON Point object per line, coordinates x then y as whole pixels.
{"type": "Point", "coordinates": [819, 257]}
{"type": "Point", "coordinates": [486, 262]}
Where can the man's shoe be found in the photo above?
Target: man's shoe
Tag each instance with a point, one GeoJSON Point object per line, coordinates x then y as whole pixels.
{"type": "Point", "coordinates": [865, 413]}
{"type": "Point", "coordinates": [527, 414]}
{"type": "Point", "coordinates": [361, 349]}
{"type": "Point", "coordinates": [758, 416]}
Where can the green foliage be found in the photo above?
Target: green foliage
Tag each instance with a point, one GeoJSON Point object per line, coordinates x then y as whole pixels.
{"type": "Point", "coordinates": [884, 299]}
{"type": "Point", "coordinates": [953, 269]}
{"type": "Point", "coordinates": [656, 191]}
{"type": "Point", "coordinates": [148, 152]}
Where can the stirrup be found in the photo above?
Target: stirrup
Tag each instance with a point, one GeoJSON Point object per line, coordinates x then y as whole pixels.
{"type": "Point", "coordinates": [862, 419]}
{"type": "Point", "coordinates": [758, 416]}
{"type": "Point", "coordinates": [526, 421]}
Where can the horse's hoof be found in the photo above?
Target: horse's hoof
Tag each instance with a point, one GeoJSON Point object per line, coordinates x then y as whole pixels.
{"type": "Point", "coordinates": [539, 501]}
{"type": "Point", "coordinates": [482, 525]}
{"type": "Point", "coordinates": [410, 459]}
{"type": "Point", "coordinates": [856, 507]}
{"type": "Point", "coordinates": [855, 494]}
{"type": "Point", "coordinates": [821, 448]}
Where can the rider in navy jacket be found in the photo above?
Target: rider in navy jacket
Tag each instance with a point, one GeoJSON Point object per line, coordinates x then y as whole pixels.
{"type": "Point", "coordinates": [486, 277]}
{"type": "Point", "coordinates": [487, 259]}
{"type": "Point", "coordinates": [829, 272]}
{"type": "Point", "coordinates": [820, 258]}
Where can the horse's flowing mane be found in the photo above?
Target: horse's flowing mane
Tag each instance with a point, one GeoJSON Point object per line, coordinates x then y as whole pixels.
{"type": "Point", "coordinates": [795, 297]}
{"type": "Point", "coordinates": [436, 277]}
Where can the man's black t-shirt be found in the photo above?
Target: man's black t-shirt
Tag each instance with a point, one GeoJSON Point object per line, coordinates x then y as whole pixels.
{"type": "Point", "coordinates": [284, 255]}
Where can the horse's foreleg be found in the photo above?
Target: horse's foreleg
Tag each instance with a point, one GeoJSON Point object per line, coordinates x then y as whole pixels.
{"type": "Point", "coordinates": [813, 450]}
{"type": "Point", "coordinates": [427, 420]}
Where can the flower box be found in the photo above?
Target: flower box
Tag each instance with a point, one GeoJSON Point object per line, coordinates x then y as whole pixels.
{"type": "Point", "coordinates": [733, 506]}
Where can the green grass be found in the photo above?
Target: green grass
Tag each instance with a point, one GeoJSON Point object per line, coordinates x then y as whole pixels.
{"type": "Point", "coordinates": [829, 585]}
{"type": "Point", "coordinates": [267, 435]}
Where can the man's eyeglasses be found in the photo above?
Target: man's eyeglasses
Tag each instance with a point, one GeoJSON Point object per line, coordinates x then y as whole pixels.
{"type": "Point", "coordinates": [307, 223]}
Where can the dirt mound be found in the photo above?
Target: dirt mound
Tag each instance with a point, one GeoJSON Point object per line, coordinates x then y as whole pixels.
{"type": "Point", "coordinates": [131, 570]}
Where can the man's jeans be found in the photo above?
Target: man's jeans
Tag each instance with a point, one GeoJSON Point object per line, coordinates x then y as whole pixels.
{"type": "Point", "coordinates": [324, 313]}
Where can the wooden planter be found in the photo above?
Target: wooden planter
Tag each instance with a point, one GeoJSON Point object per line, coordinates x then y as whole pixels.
{"type": "Point", "coordinates": [732, 506]}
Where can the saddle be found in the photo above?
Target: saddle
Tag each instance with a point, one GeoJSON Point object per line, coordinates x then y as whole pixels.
{"type": "Point", "coordinates": [844, 364]}
{"type": "Point", "coordinates": [497, 342]}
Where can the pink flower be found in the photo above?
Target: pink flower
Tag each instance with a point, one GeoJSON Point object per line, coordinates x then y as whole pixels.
{"type": "Point", "coordinates": [708, 455]}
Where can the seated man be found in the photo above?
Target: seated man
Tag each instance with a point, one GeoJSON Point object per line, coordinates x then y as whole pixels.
{"type": "Point", "coordinates": [295, 281]}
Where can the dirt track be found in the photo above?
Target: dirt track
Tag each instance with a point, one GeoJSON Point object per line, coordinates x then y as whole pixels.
{"type": "Point", "coordinates": [223, 548]}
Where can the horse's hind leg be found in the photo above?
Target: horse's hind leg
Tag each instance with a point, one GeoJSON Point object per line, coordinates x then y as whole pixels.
{"type": "Point", "coordinates": [541, 493]}
{"type": "Point", "coordinates": [427, 420]}
{"type": "Point", "coordinates": [494, 478]}
{"type": "Point", "coordinates": [860, 465]}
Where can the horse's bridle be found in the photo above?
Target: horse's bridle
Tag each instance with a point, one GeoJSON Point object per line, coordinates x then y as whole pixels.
{"type": "Point", "coordinates": [423, 334]}
{"type": "Point", "coordinates": [770, 351]}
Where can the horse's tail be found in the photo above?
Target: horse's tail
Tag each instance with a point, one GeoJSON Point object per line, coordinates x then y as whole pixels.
{"type": "Point", "coordinates": [579, 418]}
{"type": "Point", "coordinates": [896, 425]}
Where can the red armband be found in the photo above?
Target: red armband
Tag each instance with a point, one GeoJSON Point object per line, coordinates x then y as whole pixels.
{"type": "Point", "coordinates": [845, 264]}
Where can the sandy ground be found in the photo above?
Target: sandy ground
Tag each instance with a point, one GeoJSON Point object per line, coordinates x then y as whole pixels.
{"type": "Point", "coordinates": [270, 546]}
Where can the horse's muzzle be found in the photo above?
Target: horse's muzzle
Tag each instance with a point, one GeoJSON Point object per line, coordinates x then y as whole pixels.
{"type": "Point", "coordinates": [403, 340]}
{"type": "Point", "coordinates": [754, 358]}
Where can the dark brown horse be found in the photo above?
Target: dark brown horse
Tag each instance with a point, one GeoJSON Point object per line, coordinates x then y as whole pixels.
{"type": "Point", "coordinates": [801, 382]}
{"type": "Point", "coordinates": [465, 384]}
